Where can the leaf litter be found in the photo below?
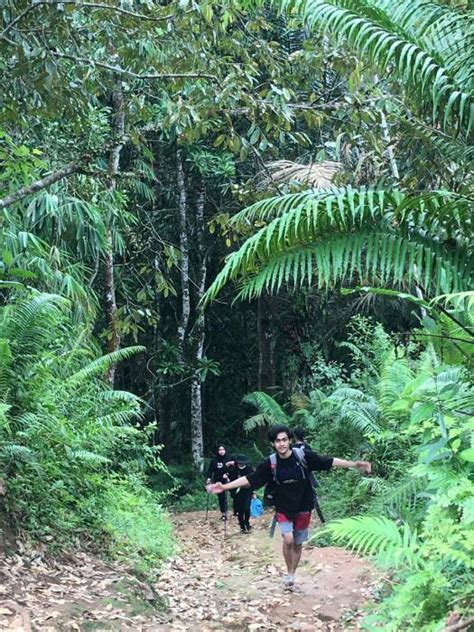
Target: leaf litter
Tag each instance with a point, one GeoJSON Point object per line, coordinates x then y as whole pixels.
{"type": "Point", "coordinates": [214, 583]}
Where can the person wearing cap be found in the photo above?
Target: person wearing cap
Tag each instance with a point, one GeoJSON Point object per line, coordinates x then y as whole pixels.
{"type": "Point", "coordinates": [243, 495]}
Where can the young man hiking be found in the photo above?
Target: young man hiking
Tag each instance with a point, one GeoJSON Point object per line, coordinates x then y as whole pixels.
{"type": "Point", "coordinates": [294, 496]}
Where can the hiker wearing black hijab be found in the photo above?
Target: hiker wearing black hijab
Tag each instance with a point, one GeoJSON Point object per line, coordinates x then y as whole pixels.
{"type": "Point", "coordinates": [217, 473]}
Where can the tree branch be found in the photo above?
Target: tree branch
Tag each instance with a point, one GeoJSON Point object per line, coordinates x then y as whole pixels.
{"type": "Point", "coordinates": [460, 625]}
{"type": "Point", "coordinates": [9, 27]}
{"type": "Point", "coordinates": [98, 5]}
{"type": "Point", "coordinates": [68, 170]}
{"type": "Point", "coordinates": [129, 73]}
{"type": "Point", "coordinates": [91, 5]}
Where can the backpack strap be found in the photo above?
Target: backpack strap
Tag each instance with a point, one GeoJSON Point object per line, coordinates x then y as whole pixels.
{"type": "Point", "coordinates": [301, 458]}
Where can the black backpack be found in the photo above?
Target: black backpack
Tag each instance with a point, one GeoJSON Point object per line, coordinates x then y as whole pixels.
{"type": "Point", "coordinates": [270, 491]}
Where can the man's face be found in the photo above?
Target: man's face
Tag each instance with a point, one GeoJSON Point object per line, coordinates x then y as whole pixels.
{"type": "Point", "coordinates": [221, 451]}
{"type": "Point", "coordinates": [281, 443]}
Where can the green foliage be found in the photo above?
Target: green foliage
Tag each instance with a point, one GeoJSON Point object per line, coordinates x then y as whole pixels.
{"type": "Point", "coordinates": [270, 412]}
{"type": "Point", "coordinates": [420, 444]}
{"type": "Point", "coordinates": [139, 530]}
{"type": "Point", "coordinates": [427, 45]}
{"type": "Point", "coordinates": [328, 238]}
{"type": "Point", "coordinates": [74, 464]}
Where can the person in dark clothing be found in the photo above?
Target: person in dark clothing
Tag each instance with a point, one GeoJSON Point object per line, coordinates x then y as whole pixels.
{"type": "Point", "coordinates": [298, 441]}
{"type": "Point", "coordinates": [243, 495]}
{"type": "Point", "coordinates": [294, 498]}
{"type": "Point", "coordinates": [217, 473]}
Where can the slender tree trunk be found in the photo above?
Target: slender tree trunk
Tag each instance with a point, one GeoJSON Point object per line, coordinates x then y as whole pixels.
{"type": "Point", "coordinates": [113, 169]}
{"type": "Point", "coordinates": [184, 247]}
{"type": "Point", "coordinates": [266, 345]}
{"type": "Point", "coordinates": [197, 443]}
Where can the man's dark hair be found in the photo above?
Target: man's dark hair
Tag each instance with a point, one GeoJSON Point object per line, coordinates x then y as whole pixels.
{"type": "Point", "coordinates": [275, 431]}
{"type": "Point", "coordinates": [299, 433]}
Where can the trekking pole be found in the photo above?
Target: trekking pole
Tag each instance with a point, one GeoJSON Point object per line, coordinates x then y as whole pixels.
{"type": "Point", "coordinates": [319, 511]}
{"type": "Point", "coordinates": [207, 505]}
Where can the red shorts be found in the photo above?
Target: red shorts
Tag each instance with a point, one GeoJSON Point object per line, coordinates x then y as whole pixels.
{"type": "Point", "coordinates": [300, 521]}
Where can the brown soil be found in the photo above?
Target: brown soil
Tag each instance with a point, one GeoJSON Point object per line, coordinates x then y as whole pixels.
{"type": "Point", "coordinates": [214, 583]}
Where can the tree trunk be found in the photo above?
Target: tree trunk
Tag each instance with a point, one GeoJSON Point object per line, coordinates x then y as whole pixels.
{"type": "Point", "coordinates": [184, 247]}
{"type": "Point", "coordinates": [113, 169]}
{"type": "Point", "coordinates": [197, 444]}
{"type": "Point", "coordinates": [266, 345]}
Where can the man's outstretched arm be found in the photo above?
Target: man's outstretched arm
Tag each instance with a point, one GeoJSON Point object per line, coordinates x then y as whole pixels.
{"type": "Point", "coordinates": [217, 488]}
{"type": "Point", "coordinates": [363, 466]}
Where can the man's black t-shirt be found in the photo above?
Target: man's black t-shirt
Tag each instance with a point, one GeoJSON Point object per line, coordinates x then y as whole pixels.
{"type": "Point", "coordinates": [294, 492]}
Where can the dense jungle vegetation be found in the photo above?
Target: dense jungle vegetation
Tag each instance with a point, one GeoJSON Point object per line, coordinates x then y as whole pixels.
{"type": "Point", "coordinates": [221, 215]}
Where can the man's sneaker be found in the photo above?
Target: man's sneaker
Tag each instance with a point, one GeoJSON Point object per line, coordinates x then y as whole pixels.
{"type": "Point", "coordinates": [243, 531]}
{"type": "Point", "coordinates": [248, 528]}
{"type": "Point", "coordinates": [224, 517]}
{"type": "Point", "coordinates": [289, 582]}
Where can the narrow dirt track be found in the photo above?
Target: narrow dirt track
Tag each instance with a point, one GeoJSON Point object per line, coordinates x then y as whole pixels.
{"type": "Point", "coordinates": [235, 583]}
{"type": "Point", "coordinates": [213, 583]}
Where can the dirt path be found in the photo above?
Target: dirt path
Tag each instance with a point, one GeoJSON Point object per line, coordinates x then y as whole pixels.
{"type": "Point", "coordinates": [212, 584]}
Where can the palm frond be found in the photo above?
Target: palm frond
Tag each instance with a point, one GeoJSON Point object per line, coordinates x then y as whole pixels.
{"type": "Point", "coordinates": [319, 175]}
{"type": "Point", "coordinates": [28, 324]}
{"type": "Point", "coordinates": [423, 59]}
{"type": "Point", "coordinates": [379, 537]}
{"type": "Point", "coordinates": [100, 365]}
{"type": "Point", "coordinates": [396, 374]}
{"type": "Point", "coordinates": [268, 408]}
{"type": "Point", "coordinates": [329, 237]}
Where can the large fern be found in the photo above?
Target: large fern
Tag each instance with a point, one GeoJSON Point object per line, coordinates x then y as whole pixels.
{"type": "Point", "coordinates": [321, 238]}
{"type": "Point", "coordinates": [270, 412]}
{"type": "Point", "coordinates": [380, 537]}
{"type": "Point", "coordinates": [427, 46]}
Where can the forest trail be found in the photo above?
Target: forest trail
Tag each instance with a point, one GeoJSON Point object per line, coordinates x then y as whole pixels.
{"type": "Point", "coordinates": [211, 584]}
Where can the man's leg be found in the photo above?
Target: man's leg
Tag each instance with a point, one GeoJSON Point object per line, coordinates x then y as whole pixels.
{"type": "Point", "coordinates": [297, 549]}
{"type": "Point", "coordinates": [300, 535]}
{"type": "Point", "coordinates": [288, 551]}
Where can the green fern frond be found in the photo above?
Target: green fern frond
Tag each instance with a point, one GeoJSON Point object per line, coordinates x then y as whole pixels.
{"type": "Point", "coordinates": [86, 456]}
{"type": "Point", "coordinates": [423, 59]}
{"type": "Point", "coordinates": [267, 407]}
{"type": "Point", "coordinates": [13, 451]}
{"type": "Point", "coordinates": [380, 537]}
{"type": "Point", "coordinates": [396, 374]}
{"type": "Point", "coordinates": [326, 238]}
{"type": "Point", "coordinates": [257, 421]}
{"type": "Point", "coordinates": [119, 417]}
{"type": "Point", "coordinates": [28, 325]}
{"type": "Point", "coordinates": [100, 365]}
{"type": "Point", "coordinates": [6, 375]}
{"type": "Point", "coordinates": [120, 396]}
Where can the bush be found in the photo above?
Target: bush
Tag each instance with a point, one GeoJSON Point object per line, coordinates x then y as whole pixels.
{"type": "Point", "coordinates": [73, 462]}
{"type": "Point", "coordinates": [139, 528]}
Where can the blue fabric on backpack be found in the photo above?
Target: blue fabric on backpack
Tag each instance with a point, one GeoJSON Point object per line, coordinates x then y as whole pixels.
{"type": "Point", "coordinates": [256, 508]}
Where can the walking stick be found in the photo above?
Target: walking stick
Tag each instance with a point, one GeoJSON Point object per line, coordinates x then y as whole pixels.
{"type": "Point", "coordinates": [207, 505]}
{"type": "Point", "coordinates": [319, 511]}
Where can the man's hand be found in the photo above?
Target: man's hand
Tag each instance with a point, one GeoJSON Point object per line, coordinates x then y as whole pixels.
{"type": "Point", "coordinates": [230, 463]}
{"type": "Point", "coordinates": [215, 488]}
{"type": "Point", "coordinates": [226, 477]}
{"type": "Point", "coordinates": [364, 466]}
